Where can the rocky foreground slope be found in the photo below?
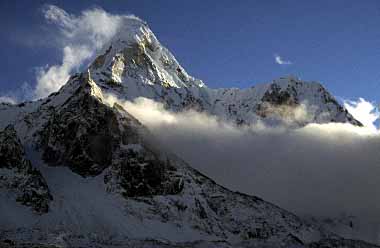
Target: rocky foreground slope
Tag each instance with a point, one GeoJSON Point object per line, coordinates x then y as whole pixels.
{"type": "Point", "coordinates": [76, 171]}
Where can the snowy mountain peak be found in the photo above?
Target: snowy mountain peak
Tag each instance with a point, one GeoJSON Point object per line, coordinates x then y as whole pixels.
{"type": "Point", "coordinates": [135, 54]}
{"type": "Point", "coordinates": [131, 29]}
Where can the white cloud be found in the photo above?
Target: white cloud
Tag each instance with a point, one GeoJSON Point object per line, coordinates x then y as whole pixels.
{"type": "Point", "coordinates": [279, 60]}
{"type": "Point", "coordinates": [364, 111]}
{"type": "Point", "coordinates": [50, 79]}
{"type": "Point", "coordinates": [80, 38]}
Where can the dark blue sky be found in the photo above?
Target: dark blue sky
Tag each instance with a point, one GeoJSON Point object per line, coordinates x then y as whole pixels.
{"type": "Point", "coordinates": [224, 43]}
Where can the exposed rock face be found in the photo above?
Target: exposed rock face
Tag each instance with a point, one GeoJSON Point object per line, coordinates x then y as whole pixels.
{"type": "Point", "coordinates": [18, 175]}
{"type": "Point", "coordinates": [82, 135]}
{"type": "Point", "coordinates": [11, 151]}
{"type": "Point", "coordinates": [275, 96]}
{"type": "Point", "coordinates": [88, 136]}
{"type": "Point", "coordinates": [140, 172]}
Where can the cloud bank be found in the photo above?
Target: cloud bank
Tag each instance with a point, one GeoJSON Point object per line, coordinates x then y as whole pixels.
{"type": "Point", "coordinates": [320, 170]}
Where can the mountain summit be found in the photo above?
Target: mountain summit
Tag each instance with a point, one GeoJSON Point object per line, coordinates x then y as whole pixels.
{"type": "Point", "coordinates": [76, 171]}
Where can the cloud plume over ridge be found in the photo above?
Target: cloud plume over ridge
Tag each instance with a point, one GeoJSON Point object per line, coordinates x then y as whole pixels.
{"type": "Point", "coordinates": [80, 38]}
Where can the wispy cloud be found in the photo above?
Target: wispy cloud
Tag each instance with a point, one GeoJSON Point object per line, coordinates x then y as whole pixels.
{"type": "Point", "coordinates": [279, 60]}
{"type": "Point", "coordinates": [80, 37]}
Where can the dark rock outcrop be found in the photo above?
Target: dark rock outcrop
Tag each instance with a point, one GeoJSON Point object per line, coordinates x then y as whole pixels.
{"type": "Point", "coordinates": [18, 175]}
{"type": "Point", "coordinates": [89, 136]}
